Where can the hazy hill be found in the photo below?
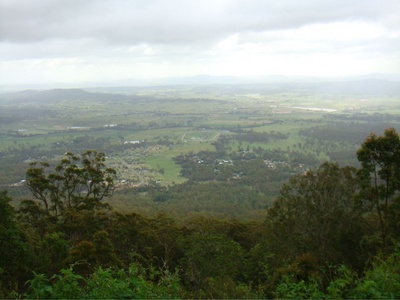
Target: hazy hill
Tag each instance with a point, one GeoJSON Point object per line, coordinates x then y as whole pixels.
{"type": "Point", "coordinates": [32, 96]}
{"type": "Point", "coordinates": [261, 85]}
{"type": "Point", "coordinates": [268, 85]}
{"type": "Point", "coordinates": [360, 87]}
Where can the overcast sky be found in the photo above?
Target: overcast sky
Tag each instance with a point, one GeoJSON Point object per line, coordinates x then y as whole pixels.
{"type": "Point", "coordinates": [102, 40]}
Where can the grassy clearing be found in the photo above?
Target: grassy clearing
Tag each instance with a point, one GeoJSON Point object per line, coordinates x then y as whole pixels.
{"type": "Point", "coordinates": [170, 174]}
{"type": "Point", "coordinates": [164, 160]}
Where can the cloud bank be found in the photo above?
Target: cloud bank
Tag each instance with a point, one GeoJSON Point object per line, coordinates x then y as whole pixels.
{"type": "Point", "coordinates": [75, 40]}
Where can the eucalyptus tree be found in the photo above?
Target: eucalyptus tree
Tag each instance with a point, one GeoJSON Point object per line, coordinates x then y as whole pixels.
{"type": "Point", "coordinates": [315, 214]}
{"type": "Point", "coordinates": [380, 174]}
{"type": "Point", "coordinates": [76, 182]}
{"type": "Point", "coordinates": [14, 248]}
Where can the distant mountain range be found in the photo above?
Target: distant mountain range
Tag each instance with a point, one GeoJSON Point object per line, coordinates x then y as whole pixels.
{"type": "Point", "coordinates": [209, 79]}
{"type": "Point", "coordinates": [376, 84]}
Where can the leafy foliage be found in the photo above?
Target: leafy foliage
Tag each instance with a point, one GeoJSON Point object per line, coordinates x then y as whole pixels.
{"type": "Point", "coordinates": [316, 214]}
{"type": "Point", "coordinates": [105, 284]}
{"type": "Point", "coordinates": [380, 174]}
{"type": "Point", "coordinates": [15, 257]}
{"type": "Point", "coordinates": [78, 182]}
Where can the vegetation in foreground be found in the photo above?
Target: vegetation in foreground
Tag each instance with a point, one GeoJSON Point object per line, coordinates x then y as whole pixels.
{"type": "Point", "coordinates": [332, 232]}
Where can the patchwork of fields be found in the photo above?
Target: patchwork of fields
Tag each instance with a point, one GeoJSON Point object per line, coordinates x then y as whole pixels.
{"type": "Point", "coordinates": [143, 130]}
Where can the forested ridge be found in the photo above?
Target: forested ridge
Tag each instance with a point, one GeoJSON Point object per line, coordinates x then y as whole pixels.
{"type": "Point", "coordinates": [332, 232]}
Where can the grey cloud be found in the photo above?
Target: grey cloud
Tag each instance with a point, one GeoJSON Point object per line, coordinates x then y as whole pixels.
{"type": "Point", "coordinates": [79, 39]}
{"type": "Point", "coordinates": [174, 21]}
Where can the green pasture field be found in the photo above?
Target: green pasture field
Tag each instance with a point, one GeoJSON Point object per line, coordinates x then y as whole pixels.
{"type": "Point", "coordinates": [153, 134]}
{"type": "Point", "coordinates": [12, 141]}
{"type": "Point", "coordinates": [165, 161]}
{"type": "Point", "coordinates": [171, 169]}
{"type": "Point", "coordinates": [47, 139]}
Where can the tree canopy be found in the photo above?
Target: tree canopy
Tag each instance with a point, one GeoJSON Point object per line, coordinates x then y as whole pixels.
{"type": "Point", "coordinates": [380, 174]}
{"type": "Point", "coordinates": [78, 181]}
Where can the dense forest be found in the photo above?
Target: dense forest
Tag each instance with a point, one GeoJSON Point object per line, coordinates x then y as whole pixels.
{"type": "Point", "coordinates": [331, 232]}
